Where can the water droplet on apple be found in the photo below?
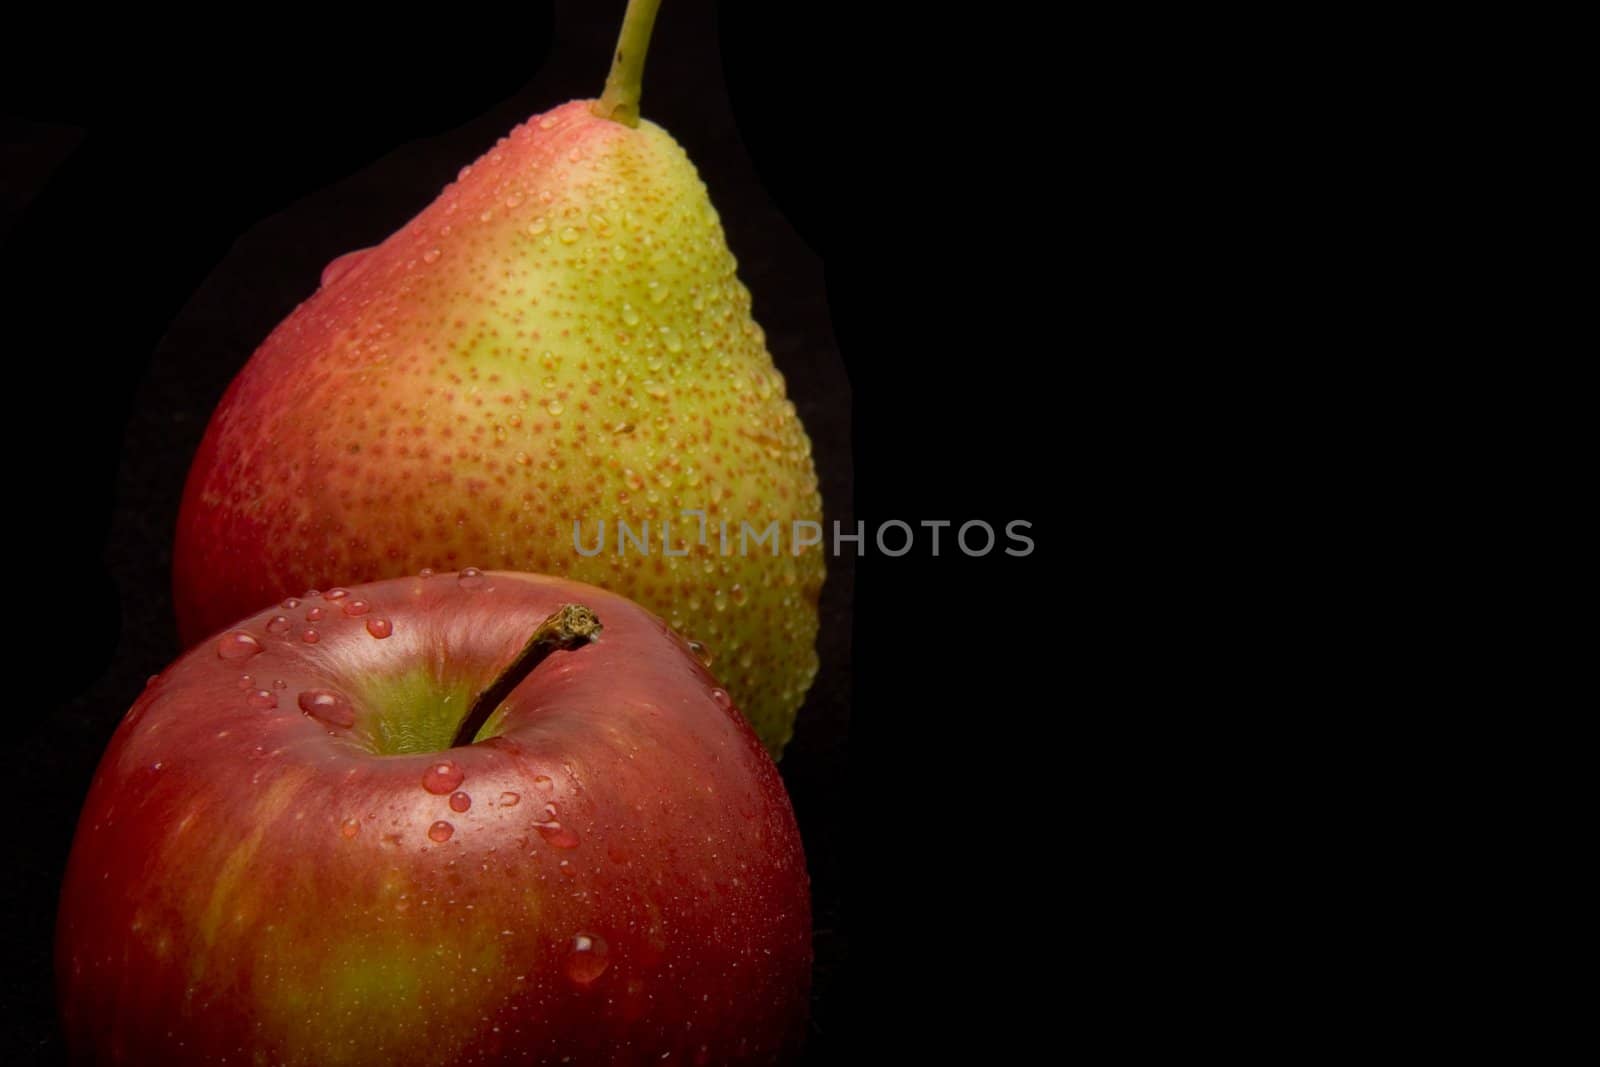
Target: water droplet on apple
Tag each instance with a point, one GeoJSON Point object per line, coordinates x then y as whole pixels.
{"type": "Point", "coordinates": [543, 783]}
{"type": "Point", "coordinates": [312, 594]}
{"type": "Point", "coordinates": [508, 800]}
{"type": "Point", "coordinates": [431, 256]}
{"type": "Point", "coordinates": [356, 607]}
{"type": "Point", "coordinates": [279, 683]}
{"type": "Point", "coordinates": [151, 680]}
{"type": "Point", "coordinates": [336, 594]}
{"type": "Point", "coordinates": [425, 573]}
{"type": "Point", "coordinates": [550, 828]}
{"type": "Point", "coordinates": [247, 681]}
{"type": "Point", "coordinates": [557, 835]}
{"type": "Point", "coordinates": [237, 645]}
{"type": "Point", "coordinates": [350, 827]}
{"type": "Point", "coordinates": [329, 707]}
{"type": "Point", "coordinates": [722, 698]}
{"type": "Point", "coordinates": [380, 628]}
{"type": "Point", "coordinates": [460, 802]}
{"type": "Point", "coordinates": [279, 624]}
{"type": "Point", "coordinates": [442, 777]}
{"type": "Point", "coordinates": [587, 961]}
{"type": "Point", "coordinates": [290, 604]}
{"type": "Point", "coordinates": [471, 578]}
{"type": "Point", "coordinates": [701, 653]}
{"type": "Point", "coordinates": [314, 615]}
{"type": "Point", "coordinates": [440, 832]}
{"type": "Point", "coordinates": [310, 636]}
{"type": "Point", "coordinates": [263, 698]}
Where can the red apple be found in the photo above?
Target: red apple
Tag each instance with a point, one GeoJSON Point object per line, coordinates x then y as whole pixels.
{"type": "Point", "coordinates": [288, 855]}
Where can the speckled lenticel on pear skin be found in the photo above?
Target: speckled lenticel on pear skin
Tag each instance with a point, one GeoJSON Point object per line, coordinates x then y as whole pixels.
{"type": "Point", "coordinates": [560, 337]}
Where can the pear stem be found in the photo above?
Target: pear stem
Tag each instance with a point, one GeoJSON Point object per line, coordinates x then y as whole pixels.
{"type": "Point", "coordinates": [620, 101]}
{"type": "Point", "coordinates": [570, 628]}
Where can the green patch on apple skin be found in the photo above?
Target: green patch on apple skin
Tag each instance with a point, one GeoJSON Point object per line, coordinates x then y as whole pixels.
{"type": "Point", "coordinates": [228, 904]}
{"type": "Point", "coordinates": [375, 998]}
{"type": "Point", "coordinates": [414, 712]}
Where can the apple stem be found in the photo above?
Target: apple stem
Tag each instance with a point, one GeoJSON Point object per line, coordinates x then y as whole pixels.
{"type": "Point", "coordinates": [620, 101]}
{"type": "Point", "coordinates": [568, 629]}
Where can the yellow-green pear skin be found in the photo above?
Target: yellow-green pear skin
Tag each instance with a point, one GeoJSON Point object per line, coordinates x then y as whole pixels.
{"type": "Point", "coordinates": [560, 337]}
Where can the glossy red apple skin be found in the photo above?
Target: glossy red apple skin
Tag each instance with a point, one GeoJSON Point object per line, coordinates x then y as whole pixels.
{"type": "Point", "coordinates": [249, 884]}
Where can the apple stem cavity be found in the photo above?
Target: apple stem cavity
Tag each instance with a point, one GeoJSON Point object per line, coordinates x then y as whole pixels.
{"type": "Point", "coordinates": [620, 101]}
{"type": "Point", "coordinates": [566, 630]}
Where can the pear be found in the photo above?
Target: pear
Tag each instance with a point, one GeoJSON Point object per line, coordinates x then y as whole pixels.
{"type": "Point", "coordinates": [560, 338]}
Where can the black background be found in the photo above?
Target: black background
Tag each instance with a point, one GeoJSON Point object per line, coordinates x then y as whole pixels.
{"type": "Point", "coordinates": [905, 197]}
